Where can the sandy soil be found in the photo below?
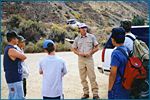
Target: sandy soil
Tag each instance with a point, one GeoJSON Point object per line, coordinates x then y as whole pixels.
{"type": "Point", "coordinates": [71, 83]}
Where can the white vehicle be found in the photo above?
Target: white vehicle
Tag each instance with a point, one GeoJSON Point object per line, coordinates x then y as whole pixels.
{"type": "Point", "coordinates": [73, 23]}
{"type": "Point", "coordinates": [141, 32]}
{"type": "Point", "coordinates": [69, 40]}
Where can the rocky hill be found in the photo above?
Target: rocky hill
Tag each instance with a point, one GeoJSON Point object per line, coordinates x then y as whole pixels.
{"type": "Point", "coordinates": [98, 14]}
{"type": "Point", "coordinates": [50, 18]}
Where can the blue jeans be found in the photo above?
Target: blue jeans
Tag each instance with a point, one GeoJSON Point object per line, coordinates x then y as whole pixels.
{"type": "Point", "coordinates": [118, 92]}
{"type": "Point", "coordinates": [16, 90]}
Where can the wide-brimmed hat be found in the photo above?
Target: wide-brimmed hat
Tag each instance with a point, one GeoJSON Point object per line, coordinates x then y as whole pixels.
{"type": "Point", "coordinates": [82, 25]}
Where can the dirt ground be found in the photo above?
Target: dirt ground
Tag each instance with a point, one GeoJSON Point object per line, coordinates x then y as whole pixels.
{"type": "Point", "coordinates": [71, 82]}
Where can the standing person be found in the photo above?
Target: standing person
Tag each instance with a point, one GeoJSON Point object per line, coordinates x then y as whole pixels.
{"type": "Point", "coordinates": [126, 24]}
{"type": "Point", "coordinates": [20, 46]}
{"type": "Point", "coordinates": [13, 67]}
{"type": "Point", "coordinates": [53, 69]}
{"type": "Point", "coordinates": [118, 64]}
{"type": "Point", "coordinates": [85, 45]}
{"type": "Point", "coordinates": [137, 92]}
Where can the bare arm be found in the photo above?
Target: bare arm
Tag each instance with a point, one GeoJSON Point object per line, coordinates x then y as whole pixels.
{"type": "Point", "coordinates": [64, 69]}
{"type": "Point", "coordinates": [16, 54]}
{"type": "Point", "coordinates": [77, 52]}
{"type": "Point", "coordinates": [112, 77]}
{"type": "Point", "coordinates": [96, 48]}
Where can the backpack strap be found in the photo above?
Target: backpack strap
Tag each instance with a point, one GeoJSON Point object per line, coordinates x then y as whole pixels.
{"type": "Point", "coordinates": [130, 37]}
{"type": "Point", "coordinates": [125, 54]}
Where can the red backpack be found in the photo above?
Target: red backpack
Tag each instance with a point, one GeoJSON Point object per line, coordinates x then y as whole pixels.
{"type": "Point", "coordinates": [134, 70]}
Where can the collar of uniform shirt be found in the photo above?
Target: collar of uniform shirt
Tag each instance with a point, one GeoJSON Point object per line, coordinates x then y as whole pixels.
{"type": "Point", "coordinates": [84, 36]}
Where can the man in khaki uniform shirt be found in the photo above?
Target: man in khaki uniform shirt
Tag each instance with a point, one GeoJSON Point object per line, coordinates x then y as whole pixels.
{"type": "Point", "coordinates": [85, 45]}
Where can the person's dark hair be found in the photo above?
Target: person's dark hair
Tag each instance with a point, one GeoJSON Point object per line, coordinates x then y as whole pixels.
{"type": "Point", "coordinates": [9, 38]}
{"type": "Point", "coordinates": [11, 35]}
{"type": "Point", "coordinates": [126, 25]}
{"type": "Point", "coordinates": [118, 34]}
{"type": "Point", "coordinates": [50, 47]}
{"type": "Point", "coordinates": [21, 38]}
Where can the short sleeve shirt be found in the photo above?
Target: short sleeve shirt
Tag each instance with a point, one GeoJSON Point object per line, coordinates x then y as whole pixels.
{"type": "Point", "coordinates": [119, 60]}
{"type": "Point", "coordinates": [54, 68]}
{"type": "Point", "coordinates": [86, 43]}
{"type": "Point", "coordinates": [129, 42]}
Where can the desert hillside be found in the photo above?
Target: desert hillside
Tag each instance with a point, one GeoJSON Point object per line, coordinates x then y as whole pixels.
{"type": "Point", "coordinates": [98, 14]}
{"type": "Point", "coordinates": [34, 20]}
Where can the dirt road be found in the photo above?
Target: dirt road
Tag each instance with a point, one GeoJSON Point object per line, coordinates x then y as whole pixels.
{"type": "Point", "coordinates": [71, 84]}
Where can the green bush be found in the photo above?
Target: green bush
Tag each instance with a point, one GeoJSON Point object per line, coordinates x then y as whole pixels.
{"type": "Point", "coordinates": [3, 43]}
{"type": "Point", "coordinates": [31, 30]}
{"type": "Point", "coordinates": [58, 29]}
{"type": "Point", "coordinates": [60, 7]}
{"type": "Point", "coordinates": [29, 48]}
{"type": "Point", "coordinates": [138, 21]}
{"type": "Point", "coordinates": [14, 22]}
{"type": "Point", "coordinates": [72, 32]}
{"type": "Point", "coordinates": [63, 47]}
{"type": "Point", "coordinates": [57, 33]}
{"type": "Point", "coordinates": [38, 46]}
{"type": "Point", "coordinates": [72, 35]}
{"type": "Point", "coordinates": [77, 15]}
{"type": "Point", "coordinates": [70, 29]}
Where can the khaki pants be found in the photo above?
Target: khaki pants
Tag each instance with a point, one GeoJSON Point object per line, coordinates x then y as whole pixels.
{"type": "Point", "coordinates": [86, 68]}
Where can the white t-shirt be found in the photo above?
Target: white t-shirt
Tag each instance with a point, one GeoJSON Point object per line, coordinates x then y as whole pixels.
{"type": "Point", "coordinates": [25, 68]}
{"type": "Point", "coordinates": [54, 68]}
{"type": "Point", "coordinates": [129, 42]}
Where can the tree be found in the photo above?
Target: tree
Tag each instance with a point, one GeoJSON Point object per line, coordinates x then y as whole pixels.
{"type": "Point", "coordinates": [14, 22]}
{"type": "Point", "coordinates": [138, 21]}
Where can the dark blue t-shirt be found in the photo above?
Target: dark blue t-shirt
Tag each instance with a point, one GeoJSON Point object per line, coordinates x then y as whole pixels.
{"type": "Point", "coordinates": [119, 59]}
{"type": "Point", "coordinates": [13, 69]}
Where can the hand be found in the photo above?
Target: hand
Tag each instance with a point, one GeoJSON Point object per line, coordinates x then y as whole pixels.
{"type": "Point", "coordinates": [87, 54]}
{"type": "Point", "coordinates": [81, 54]}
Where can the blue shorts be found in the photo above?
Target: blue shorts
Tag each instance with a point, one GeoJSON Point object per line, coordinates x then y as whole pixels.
{"type": "Point", "coordinates": [16, 90]}
{"type": "Point", "coordinates": [118, 92]}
